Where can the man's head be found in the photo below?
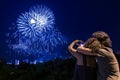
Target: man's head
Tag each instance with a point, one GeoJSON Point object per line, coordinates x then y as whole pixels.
{"type": "Point", "coordinates": [103, 38]}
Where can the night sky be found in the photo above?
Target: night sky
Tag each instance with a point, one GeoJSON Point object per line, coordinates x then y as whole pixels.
{"type": "Point", "coordinates": [76, 19]}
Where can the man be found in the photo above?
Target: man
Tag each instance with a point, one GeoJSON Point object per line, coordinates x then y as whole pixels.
{"type": "Point", "coordinates": [108, 68]}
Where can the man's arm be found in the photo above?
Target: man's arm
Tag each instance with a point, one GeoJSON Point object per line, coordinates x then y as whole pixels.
{"type": "Point", "coordinates": [86, 51]}
{"type": "Point", "coordinates": [71, 48]}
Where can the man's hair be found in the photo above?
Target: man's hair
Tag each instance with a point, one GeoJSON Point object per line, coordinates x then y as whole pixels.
{"type": "Point", "coordinates": [103, 38]}
{"type": "Point", "coordinates": [93, 44]}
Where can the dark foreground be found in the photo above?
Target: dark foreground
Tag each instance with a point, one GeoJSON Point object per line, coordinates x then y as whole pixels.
{"type": "Point", "coordinates": [51, 70]}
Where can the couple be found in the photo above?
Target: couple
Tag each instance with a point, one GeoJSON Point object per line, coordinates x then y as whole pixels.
{"type": "Point", "coordinates": [95, 60]}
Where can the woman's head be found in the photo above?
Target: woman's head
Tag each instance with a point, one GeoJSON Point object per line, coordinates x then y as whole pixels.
{"type": "Point", "coordinates": [103, 38]}
{"type": "Point", "coordinates": [93, 44]}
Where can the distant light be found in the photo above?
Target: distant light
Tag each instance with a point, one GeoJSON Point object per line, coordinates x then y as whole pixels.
{"type": "Point", "coordinates": [17, 62]}
{"type": "Point", "coordinates": [34, 62]}
{"type": "Point", "coordinates": [26, 60]}
{"type": "Point", "coordinates": [32, 21]}
{"type": "Point", "coordinates": [9, 63]}
{"type": "Point", "coordinates": [41, 61]}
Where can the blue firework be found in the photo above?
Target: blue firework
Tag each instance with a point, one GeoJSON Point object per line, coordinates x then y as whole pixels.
{"type": "Point", "coordinates": [35, 34]}
{"type": "Point", "coordinates": [32, 23]}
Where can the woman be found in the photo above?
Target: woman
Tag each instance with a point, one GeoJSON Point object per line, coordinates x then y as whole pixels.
{"type": "Point", "coordinates": [85, 67]}
{"type": "Point", "coordinates": [108, 68]}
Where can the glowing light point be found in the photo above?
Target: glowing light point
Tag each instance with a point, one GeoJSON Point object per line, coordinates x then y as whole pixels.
{"type": "Point", "coordinates": [82, 45]}
{"type": "Point", "coordinates": [32, 21]}
{"type": "Point", "coordinates": [43, 21]}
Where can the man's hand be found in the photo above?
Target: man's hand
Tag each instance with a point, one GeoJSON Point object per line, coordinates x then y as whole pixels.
{"type": "Point", "coordinates": [76, 42]}
{"type": "Point", "coordinates": [82, 48]}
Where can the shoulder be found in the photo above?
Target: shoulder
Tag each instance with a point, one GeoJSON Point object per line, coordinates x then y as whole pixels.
{"type": "Point", "coordinates": [105, 51]}
{"type": "Point", "coordinates": [108, 49]}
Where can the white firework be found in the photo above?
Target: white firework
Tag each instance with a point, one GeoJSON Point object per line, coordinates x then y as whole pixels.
{"type": "Point", "coordinates": [32, 23]}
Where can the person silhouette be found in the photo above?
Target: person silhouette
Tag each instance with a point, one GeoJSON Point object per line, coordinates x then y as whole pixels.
{"type": "Point", "coordinates": [85, 68]}
{"type": "Point", "coordinates": [108, 67]}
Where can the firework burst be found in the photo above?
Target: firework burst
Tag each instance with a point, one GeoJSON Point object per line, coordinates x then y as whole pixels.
{"type": "Point", "coordinates": [35, 33]}
{"type": "Point", "coordinates": [35, 21]}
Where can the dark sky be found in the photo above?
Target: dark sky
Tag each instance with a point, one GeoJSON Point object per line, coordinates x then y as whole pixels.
{"type": "Point", "coordinates": [77, 19]}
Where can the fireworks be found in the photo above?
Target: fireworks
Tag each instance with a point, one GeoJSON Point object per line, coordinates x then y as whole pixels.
{"type": "Point", "coordinates": [34, 33]}
{"type": "Point", "coordinates": [35, 21]}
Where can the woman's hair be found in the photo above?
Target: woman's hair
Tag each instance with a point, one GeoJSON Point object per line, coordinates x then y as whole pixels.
{"type": "Point", "coordinates": [93, 44]}
{"type": "Point", "coordinates": [103, 38]}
